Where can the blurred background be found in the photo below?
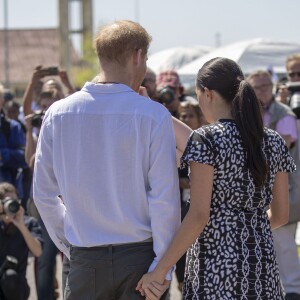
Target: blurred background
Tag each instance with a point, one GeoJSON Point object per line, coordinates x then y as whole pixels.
{"type": "Point", "coordinates": [59, 33]}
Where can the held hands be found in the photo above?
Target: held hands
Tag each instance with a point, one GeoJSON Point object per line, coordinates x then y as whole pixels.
{"type": "Point", "coordinates": [152, 286]}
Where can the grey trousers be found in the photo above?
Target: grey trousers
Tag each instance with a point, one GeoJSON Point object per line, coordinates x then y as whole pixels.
{"type": "Point", "coordinates": [108, 272]}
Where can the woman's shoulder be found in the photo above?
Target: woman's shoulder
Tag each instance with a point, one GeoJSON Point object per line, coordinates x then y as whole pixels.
{"type": "Point", "coordinates": [273, 138]}
{"type": "Point", "coordinates": [215, 130]}
{"type": "Point", "coordinates": [272, 134]}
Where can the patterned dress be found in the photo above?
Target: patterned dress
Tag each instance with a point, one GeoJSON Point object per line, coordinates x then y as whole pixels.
{"type": "Point", "coordinates": [234, 257]}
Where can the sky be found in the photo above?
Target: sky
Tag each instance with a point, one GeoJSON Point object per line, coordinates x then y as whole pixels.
{"type": "Point", "coordinates": [173, 23]}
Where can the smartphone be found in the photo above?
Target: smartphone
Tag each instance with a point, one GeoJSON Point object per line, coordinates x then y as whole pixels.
{"type": "Point", "coordinates": [52, 71]}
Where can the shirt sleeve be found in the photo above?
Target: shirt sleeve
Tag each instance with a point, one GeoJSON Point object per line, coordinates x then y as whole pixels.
{"type": "Point", "coordinates": [46, 190]}
{"type": "Point", "coordinates": [163, 191]}
{"type": "Point", "coordinates": [199, 149]}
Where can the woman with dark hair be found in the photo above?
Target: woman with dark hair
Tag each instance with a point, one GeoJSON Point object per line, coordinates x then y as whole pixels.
{"type": "Point", "coordinates": [239, 192]}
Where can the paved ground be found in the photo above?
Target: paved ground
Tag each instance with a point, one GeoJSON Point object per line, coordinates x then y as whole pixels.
{"type": "Point", "coordinates": [174, 293]}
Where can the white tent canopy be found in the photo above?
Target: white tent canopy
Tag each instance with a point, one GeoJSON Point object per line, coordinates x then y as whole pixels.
{"type": "Point", "coordinates": [251, 55]}
{"type": "Point", "coordinates": [175, 58]}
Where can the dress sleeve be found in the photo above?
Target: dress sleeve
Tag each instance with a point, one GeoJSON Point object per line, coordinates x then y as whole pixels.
{"type": "Point", "coordinates": [286, 162]}
{"type": "Point", "coordinates": [199, 149]}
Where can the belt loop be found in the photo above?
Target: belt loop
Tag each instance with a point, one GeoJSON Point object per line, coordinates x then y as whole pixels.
{"type": "Point", "coordinates": [110, 249]}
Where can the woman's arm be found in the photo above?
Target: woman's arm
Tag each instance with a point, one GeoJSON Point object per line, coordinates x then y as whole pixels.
{"type": "Point", "coordinates": [191, 227]}
{"type": "Point", "coordinates": [182, 133]}
{"type": "Point", "coordinates": [38, 74]}
{"type": "Point", "coordinates": [30, 146]}
{"type": "Point", "coordinates": [66, 81]}
{"type": "Point", "coordinates": [279, 208]}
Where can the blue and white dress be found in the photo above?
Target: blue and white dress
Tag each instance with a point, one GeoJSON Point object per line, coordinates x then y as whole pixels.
{"type": "Point", "coordinates": [234, 256]}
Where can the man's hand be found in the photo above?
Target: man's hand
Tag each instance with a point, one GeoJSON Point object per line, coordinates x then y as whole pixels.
{"type": "Point", "coordinates": [152, 285]}
{"type": "Point", "coordinates": [283, 93]}
{"type": "Point", "coordinates": [156, 290]}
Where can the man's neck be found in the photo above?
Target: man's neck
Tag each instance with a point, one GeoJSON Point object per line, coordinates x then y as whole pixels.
{"type": "Point", "coordinates": [117, 73]}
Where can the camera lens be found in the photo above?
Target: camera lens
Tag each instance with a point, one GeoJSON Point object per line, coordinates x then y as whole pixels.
{"type": "Point", "coordinates": [37, 120]}
{"type": "Point", "coordinates": [11, 207]}
{"type": "Point", "coordinates": [295, 104]}
{"type": "Point", "coordinates": [167, 95]}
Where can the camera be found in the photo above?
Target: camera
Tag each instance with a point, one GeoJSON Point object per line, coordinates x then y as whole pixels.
{"type": "Point", "coordinates": [167, 95]}
{"type": "Point", "coordinates": [37, 119]}
{"type": "Point", "coordinates": [10, 206]}
{"type": "Point", "coordinates": [294, 89]}
{"type": "Point", "coordinates": [10, 262]}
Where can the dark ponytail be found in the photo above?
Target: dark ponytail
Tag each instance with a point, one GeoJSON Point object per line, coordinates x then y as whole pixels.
{"type": "Point", "coordinates": [246, 111]}
{"type": "Point", "coordinates": [225, 77]}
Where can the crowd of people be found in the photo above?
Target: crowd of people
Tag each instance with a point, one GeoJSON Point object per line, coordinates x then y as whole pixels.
{"type": "Point", "coordinates": [129, 179]}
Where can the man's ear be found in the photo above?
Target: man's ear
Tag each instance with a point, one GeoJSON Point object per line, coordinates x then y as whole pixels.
{"type": "Point", "coordinates": [138, 56]}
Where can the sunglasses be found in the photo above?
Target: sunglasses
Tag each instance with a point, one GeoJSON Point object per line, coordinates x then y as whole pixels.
{"type": "Point", "coordinates": [293, 74]}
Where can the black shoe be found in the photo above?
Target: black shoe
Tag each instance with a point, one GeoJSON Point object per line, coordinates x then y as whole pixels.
{"type": "Point", "coordinates": [292, 296]}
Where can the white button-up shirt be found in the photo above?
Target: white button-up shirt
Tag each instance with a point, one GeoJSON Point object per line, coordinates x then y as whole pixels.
{"type": "Point", "coordinates": [110, 153]}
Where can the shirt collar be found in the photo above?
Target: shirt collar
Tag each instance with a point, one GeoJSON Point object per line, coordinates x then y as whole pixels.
{"type": "Point", "coordinates": [108, 88]}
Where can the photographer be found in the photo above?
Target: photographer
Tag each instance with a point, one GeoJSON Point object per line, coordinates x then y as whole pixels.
{"type": "Point", "coordinates": [12, 143]}
{"type": "Point", "coordinates": [33, 122]}
{"type": "Point", "coordinates": [36, 86]}
{"type": "Point", "coordinates": [170, 91]}
{"type": "Point", "coordinates": [149, 83]}
{"type": "Point", "coordinates": [50, 92]}
{"type": "Point", "coordinates": [292, 86]}
{"type": "Point", "coordinates": [19, 234]}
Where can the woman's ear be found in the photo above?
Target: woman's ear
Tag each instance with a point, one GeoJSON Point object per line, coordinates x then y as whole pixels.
{"type": "Point", "coordinates": [208, 93]}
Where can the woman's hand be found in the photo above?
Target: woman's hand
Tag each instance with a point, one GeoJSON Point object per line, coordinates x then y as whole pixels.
{"type": "Point", "coordinates": [152, 286]}
{"type": "Point", "coordinates": [38, 74]}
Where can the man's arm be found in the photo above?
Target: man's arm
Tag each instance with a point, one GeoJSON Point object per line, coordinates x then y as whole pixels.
{"type": "Point", "coordinates": [163, 194]}
{"type": "Point", "coordinates": [46, 190]}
